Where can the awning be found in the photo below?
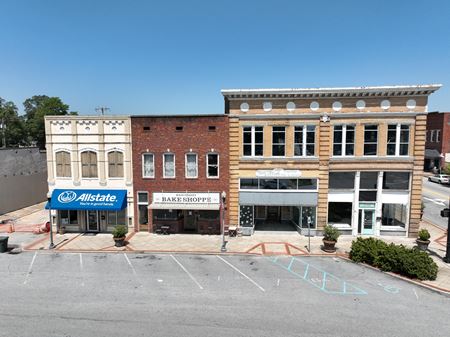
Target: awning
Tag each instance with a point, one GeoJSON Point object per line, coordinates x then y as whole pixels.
{"type": "Point", "coordinates": [89, 200]}
{"type": "Point", "coordinates": [205, 207]}
{"type": "Point", "coordinates": [432, 154]}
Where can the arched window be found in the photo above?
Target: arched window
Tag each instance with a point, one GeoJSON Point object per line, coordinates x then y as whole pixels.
{"type": "Point", "coordinates": [89, 164]}
{"type": "Point", "coordinates": [115, 164]}
{"type": "Point", "coordinates": [63, 168]}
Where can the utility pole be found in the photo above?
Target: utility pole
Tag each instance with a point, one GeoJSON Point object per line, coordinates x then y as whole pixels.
{"type": "Point", "coordinates": [102, 109]}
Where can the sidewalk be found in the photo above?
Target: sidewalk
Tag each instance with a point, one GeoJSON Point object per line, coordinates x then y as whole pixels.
{"type": "Point", "coordinates": [25, 219]}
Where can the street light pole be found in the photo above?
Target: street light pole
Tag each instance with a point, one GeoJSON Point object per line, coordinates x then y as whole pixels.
{"type": "Point", "coordinates": [446, 213]}
{"type": "Point", "coordinates": [222, 204]}
{"type": "Point", "coordinates": [52, 245]}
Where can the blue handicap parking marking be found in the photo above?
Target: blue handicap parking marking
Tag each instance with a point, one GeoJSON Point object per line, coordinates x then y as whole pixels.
{"type": "Point", "coordinates": [318, 277]}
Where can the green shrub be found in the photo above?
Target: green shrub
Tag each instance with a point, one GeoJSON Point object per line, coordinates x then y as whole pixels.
{"type": "Point", "coordinates": [119, 231]}
{"type": "Point", "coordinates": [424, 235]}
{"type": "Point", "coordinates": [409, 262]}
{"type": "Point", "coordinates": [331, 233]}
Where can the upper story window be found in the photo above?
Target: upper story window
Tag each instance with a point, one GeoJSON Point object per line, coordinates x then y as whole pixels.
{"type": "Point", "coordinates": [397, 140]}
{"type": "Point", "coordinates": [342, 180]}
{"type": "Point", "coordinates": [89, 164]}
{"type": "Point", "coordinates": [63, 165]}
{"type": "Point", "coordinates": [438, 136]}
{"type": "Point", "coordinates": [148, 165]}
{"type": "Point", "coordinates": [115, 164]}
{"type": "Point", "coordinates": [344, 140]}
{"type": "Point", "coordinates": [253, 139]}
{"type": "Point", "coordinates": [278, 141]}
{"type": "Point", "coordinates": [212, 165]}
{"type": "Point", "coordinates": [432, 136]}
{"type": "Point", "coordinates": [169, 165]}
{"type": "Point", "coordinates": [304, 140]}
{"type": "Point", "coordinates": [370, 140]}
{"type": "Point", "coordinates": [191, 165]}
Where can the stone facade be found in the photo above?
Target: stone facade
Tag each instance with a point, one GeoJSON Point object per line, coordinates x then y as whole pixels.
{"type": "Point", "coordinates": [324, 110]}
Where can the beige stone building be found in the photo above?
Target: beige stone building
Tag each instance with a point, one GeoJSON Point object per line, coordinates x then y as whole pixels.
{"type": "Point", "coordinates": [90, 178]}
{"type": "Point", "coordinates": [350, 157]}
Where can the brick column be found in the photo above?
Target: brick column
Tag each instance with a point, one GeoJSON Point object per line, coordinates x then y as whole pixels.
{"type": "Point", "coordinates": [324, 159]}
{"type": "Point", "coordinates": [233, 199]}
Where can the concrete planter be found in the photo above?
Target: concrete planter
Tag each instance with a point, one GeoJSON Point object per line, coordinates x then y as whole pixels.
{"type": "Point", "coordinates": [329, 246]}
{"type": "Point", "coordinates": [423, 245]}
{"type": "Point", "coordinates": [119, 242]}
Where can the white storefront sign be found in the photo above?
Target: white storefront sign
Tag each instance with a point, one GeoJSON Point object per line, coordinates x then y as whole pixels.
{"type": "Point", "coordinates": [186, 198]}
{"type": "Point", "coordinates": [278, 173]}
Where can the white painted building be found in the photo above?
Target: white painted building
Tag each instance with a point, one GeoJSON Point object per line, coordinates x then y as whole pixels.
{"type": "Point", "coordinates": [93, 154]}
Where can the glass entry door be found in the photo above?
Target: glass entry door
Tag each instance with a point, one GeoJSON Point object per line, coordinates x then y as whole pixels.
{"type": "Point", "coordinates": [92, 221]}
{"type": "Point", "coordinates": [367, 218]}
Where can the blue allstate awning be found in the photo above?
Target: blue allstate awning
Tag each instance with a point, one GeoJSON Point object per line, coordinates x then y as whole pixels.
{"type": "Point", "coordinates": [97, 200]}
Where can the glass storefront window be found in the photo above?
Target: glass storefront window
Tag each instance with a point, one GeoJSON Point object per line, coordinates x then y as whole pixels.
{"type": "Point", "coordinates": [143, 215]}
{"type": "Point", "coordinates": [340, 213]}
{"type": "Point", "coordinates": [287, 184]}
{"type": "Point", "coordinates": [68, 217]}
{"type": "Point", "coordinates": [368, 181]}
{"type": "Point", "coordinates": [249, 184]}
{"type": "Point", "coordinates": [278, 184]}
{"type": "Point", "coordinates": [308, 212]}
{"type": "Point", "coordinates": [165, 214]}
{"type": "Point", "coordinates": [394, 215]}
{"type": "Point", "coordinates": [116, 218]}
{"type": "Point", "coordinates": [246, 216]}
{"type": "Point", "coordinates": [396, 181]}
{"type": "Point", "coordinates": [209, 215]}
{"type": "Point", "coordinates": [342, 180]}
{"type": "Point", "coordinates": [268, 184]}
{"type": "Point", "coordinates": [307, 184]}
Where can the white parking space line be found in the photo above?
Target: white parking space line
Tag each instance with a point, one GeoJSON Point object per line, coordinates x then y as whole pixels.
{"type": "Point", "coordinates": [81, 270]}
{"type": "Point", "coordinates": [30, 268]}
{"type": "Point", "coordinates": [248, 278]}
{"type": "Point", "coordinates": [415, 293]}
{"type": "Point", "coordinates": [133, 270]}
{"type": "Point", "coordinates": [187, 272]}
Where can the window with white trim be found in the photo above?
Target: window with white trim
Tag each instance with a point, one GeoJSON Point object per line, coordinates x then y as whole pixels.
{"type": "Point", "coordinates": [212, 164]}
{"type": "Point", "coordinates": [438, 136]}
{"type": "Point", "coordinates": [115, 164]}
{"type": "Point", "coordinates": [63, 165]}
{"type": "Point", "coordinates": [397, 140]}
{"type": "Point", "coordinates": [89, 164]}
{"type": "Point", "coordinates": [253, 139]}
{"type": "Point", "coordinates": [148, 165]}
{"type": "Point", "coordinates": [191, 165]}
{"type": "Point", "coordinates": [278, 141]}
{"type": "Point", "coordinates": [169, 165]}
{"type": "Point", "coordinates": [370, 140]}
{"type": "Point", "coordinates": [344, 140]}
{"type": "Point", "coordinates": [304, 140]}
{"type": "Point", "coordinates": [432, 136]}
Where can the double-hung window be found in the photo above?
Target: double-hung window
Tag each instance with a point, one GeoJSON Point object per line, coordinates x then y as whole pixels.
{"type": "Point", "coordinates": [169, 165]}
{"type": "Point", "coordinates": [115, 164]}
{"type": "Point", "coordinates": [397, 140]}
{"type": "Point", "coordinates": [370, 140]}
{"type": "Point", "coordinates": [89, 164]}
{"type": "Point", "coordinates": [278, 141]}
{"type": "Point", "coordinates": [304, 140]}
{"type": "Point", "coordinates": [344, 140]}
{"type": "Point", "coordinates": [191, 165]}
{"type": "Point", "coordinates": [253, 139]}
{"type": "Point", "coordinates": [148, 165]}
{"type": "Point", "coordinates": [212, 165]}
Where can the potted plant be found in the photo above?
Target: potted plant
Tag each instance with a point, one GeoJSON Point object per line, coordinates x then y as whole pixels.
{"type": "Point", "coordinates": [119, 233]}
{"type": "Point", "coordinates": [330, 236]}
{"type": "Point", "coordinates": [423, 239]}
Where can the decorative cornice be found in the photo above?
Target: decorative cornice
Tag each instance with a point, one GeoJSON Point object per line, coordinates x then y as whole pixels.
{"type": "Point", "coordinates": [344, 92]}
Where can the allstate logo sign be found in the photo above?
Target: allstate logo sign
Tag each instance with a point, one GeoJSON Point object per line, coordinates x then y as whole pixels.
{"type": "Point", "coordinates": [67, 196]}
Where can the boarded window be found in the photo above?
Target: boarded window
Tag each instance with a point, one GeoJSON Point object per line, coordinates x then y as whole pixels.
{"type": "Point", "coordinates": [115, 164]}
{"type": "Point", "coordinates": [89, 164]}
{"type": "Point", "coordinates": [63, 164]}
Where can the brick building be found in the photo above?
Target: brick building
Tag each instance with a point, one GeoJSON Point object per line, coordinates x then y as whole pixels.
{"type": "Point", "coordinates": [350, 157]}
{"type": "Point", "coordinates": [181, 172]}
{"type": "Point", "coordinates": [437, 146]}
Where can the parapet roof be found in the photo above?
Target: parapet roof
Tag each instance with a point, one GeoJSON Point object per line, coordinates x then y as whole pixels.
{"type": "Point", "coordinates": [375, 91]}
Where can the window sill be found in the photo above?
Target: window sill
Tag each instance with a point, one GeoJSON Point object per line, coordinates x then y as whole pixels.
{"type": "Point", "coordinates": [213, 178]}
{"type": "Point", "coordinates": [393, 228]}
{"type": "Point", "coordinates": [148, 177]}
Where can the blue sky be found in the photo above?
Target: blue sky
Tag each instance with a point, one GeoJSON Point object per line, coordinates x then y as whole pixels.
{"type": "Point", "coordinates": [148, 57]}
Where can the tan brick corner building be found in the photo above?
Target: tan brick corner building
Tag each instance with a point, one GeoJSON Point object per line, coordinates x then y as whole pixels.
{"type": "Point", "coordinates": [350, 157]}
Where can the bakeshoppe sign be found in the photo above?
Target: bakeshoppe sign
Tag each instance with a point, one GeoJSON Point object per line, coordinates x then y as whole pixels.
{"type": "Point", "coordinates": [186, 198]}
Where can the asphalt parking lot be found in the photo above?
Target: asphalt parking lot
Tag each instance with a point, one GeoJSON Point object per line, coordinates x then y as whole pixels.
{"type": "Point", "coordinates": [92, 294]}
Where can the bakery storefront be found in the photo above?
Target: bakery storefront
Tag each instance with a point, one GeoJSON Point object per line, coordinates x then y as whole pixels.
{"type": "Point", "coordinates": [190, 212]}
{"type": "Point", "coordinates": [96, 211]}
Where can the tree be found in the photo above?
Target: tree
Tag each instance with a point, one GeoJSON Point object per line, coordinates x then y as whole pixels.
{"type": "Point", "coordinates": [36, 108]}
{"type": "Point", "coordinates": [13, 132]}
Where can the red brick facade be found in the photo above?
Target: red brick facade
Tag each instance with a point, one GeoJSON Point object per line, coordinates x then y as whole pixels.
{"type": "Point", "coordinates": [438, 122]}
{"type": "Point", "coordinates": [179, 135]}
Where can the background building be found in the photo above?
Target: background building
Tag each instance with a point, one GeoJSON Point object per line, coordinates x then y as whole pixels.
{"type": "Point", "coordinates": [437, 147]}
{"type": "Point", "coordinates": [90, 171]}
{"type": "Point", "coordinates": [351, 157]}
{"type": "Point", "coordinates": [180, 172]}
{"type": "Point", "coordinates": [23, 178]}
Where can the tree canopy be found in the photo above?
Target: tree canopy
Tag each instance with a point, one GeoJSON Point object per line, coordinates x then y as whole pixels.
{"type": "Point", "coordinates": [13, 132]}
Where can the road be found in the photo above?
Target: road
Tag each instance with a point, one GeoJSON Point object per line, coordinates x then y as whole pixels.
{"type": "Point", "coordinates": [97, 294]}
{"type": "Point", "coordinates": [435, 197]}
